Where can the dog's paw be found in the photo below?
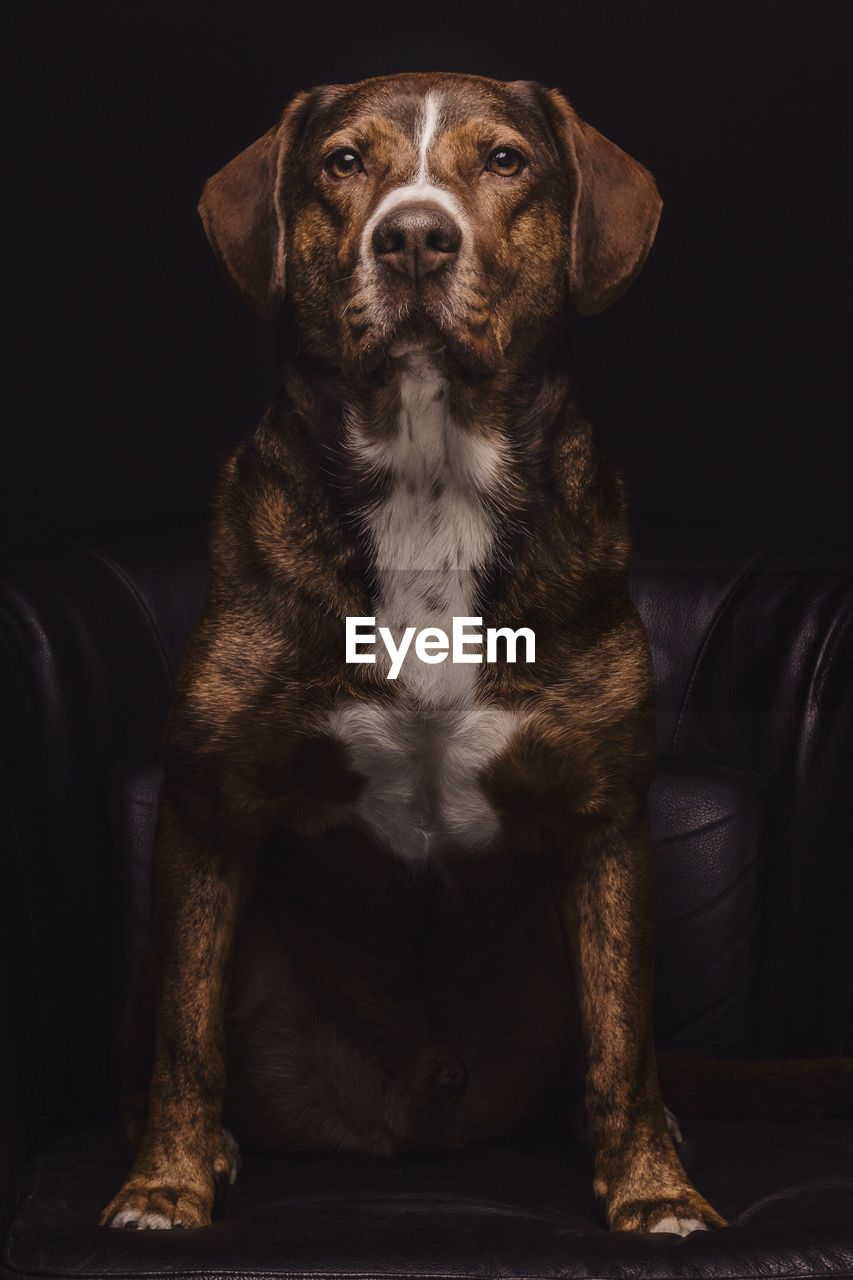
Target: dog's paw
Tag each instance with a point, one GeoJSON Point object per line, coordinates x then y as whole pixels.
{"type": "Point", "coordinates": [152, 1200]}
{"type": "Point", "coordinates": [157, 1208]}
{"type": "Point", "coordinates": [679, 1217]}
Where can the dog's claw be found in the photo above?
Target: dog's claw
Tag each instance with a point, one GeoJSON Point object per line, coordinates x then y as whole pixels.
{"type": "Point", "coordinates": [156, 1208]}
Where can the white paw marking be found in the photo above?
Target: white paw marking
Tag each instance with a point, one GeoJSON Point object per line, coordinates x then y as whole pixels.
{"type": "Point", "coordinates": [679, 1226]}
{"type": "Point", "coordinates": [154, 1222]}
{"type": "Point", "coordinates": [232, 1150]}
{"type": "Point", "coordinates": [141, 1220]}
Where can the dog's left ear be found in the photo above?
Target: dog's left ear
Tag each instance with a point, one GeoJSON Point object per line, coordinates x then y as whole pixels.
{"type": "Point", "coordinates": [240, 207]}
{"type": "Point", "coordinates": [615, 209]}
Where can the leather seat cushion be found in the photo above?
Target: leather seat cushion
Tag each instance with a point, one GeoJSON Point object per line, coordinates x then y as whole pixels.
{"type": "Point", "coordinates": [520, 1210]}
{"type": "Point", "coordinates": [706, 824]}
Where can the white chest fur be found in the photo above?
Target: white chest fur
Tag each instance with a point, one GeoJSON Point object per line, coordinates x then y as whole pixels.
{"type": "Point", "coordinates": [429, 534]}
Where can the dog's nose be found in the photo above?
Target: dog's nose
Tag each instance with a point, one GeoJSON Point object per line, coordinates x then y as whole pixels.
{"type": "Point", "coordinates": [416, 240]}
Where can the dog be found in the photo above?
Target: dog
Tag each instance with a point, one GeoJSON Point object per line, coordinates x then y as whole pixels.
{"type": "Point", "coordinates": [411, 913]}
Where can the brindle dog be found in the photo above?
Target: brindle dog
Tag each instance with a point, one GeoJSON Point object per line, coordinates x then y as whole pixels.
{"type": "Point", "coordinates": [399, 915]}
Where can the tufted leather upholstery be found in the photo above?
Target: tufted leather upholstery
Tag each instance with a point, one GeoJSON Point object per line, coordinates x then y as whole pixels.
{"type": "Point", "coordinates": [753, 650]}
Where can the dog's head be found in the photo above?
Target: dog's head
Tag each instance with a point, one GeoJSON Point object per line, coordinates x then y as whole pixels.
{"type": "Point", "coordinates": [429, 211]}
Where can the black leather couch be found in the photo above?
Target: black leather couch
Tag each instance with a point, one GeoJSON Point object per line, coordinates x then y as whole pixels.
{"type": "Point", "coordinates": [753, 821]}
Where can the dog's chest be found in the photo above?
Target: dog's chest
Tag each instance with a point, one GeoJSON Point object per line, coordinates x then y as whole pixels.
{"type": "Point", "coordinates": [422, 751]}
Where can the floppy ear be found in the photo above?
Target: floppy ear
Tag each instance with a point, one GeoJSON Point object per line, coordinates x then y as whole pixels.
{"type": "Point", "coordinates": [615, 212]}
{"type": "Point", "coordinates": [241, 209]}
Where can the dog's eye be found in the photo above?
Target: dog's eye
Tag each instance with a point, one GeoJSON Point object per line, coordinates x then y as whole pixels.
{"type": "Point", "coordinates": [343, 163]}
{"type": "Point", "coordinates": [506, 161]}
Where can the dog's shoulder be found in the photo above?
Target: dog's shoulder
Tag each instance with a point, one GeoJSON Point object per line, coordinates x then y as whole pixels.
{"type": "Point", "coordinates": [280, 528]}
{"type": "Point", "coordinates": [284, 574]}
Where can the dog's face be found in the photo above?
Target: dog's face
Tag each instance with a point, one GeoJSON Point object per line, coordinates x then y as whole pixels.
{"type": "Point", "coordinates": [429, 211]}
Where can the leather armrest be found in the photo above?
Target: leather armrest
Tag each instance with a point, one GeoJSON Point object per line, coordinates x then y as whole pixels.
{"type": "Point", "coordinates": [91, 629]}
{"type": "Point", "coordinates": [770, 690]}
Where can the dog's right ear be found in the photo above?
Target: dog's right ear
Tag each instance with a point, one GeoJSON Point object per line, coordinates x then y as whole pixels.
{"type": "Point", "coordinates": [615, 210]}
{"type": "Point", "coordinates": [241, 209]}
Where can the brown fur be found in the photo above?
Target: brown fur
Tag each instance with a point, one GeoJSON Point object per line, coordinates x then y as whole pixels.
{"type": "Point", "coordinates": [330, 995]}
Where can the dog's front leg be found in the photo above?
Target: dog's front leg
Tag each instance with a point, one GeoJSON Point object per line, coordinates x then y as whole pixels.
{"type": "Point", "coordinates": [183, 1157]}
{"type": "Point", "coordinates": [608, 917]}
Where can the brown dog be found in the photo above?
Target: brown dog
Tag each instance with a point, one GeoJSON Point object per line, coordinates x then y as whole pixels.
{"type": "Point", "coordinates": [411, 912]}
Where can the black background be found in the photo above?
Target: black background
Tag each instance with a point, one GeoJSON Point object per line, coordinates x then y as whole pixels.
{"type": "Point", "coordinates": [719, 381]}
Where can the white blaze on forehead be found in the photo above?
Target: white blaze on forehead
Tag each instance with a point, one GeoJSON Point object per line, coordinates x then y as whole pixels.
{"type": "Point", "coordinates": [420, 188]}
{"type": "Point", "coordinates": [428, 123]}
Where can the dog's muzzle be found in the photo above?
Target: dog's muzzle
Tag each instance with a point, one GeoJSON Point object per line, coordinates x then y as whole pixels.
{"type": "Point", "coordinates": [416, 240]}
